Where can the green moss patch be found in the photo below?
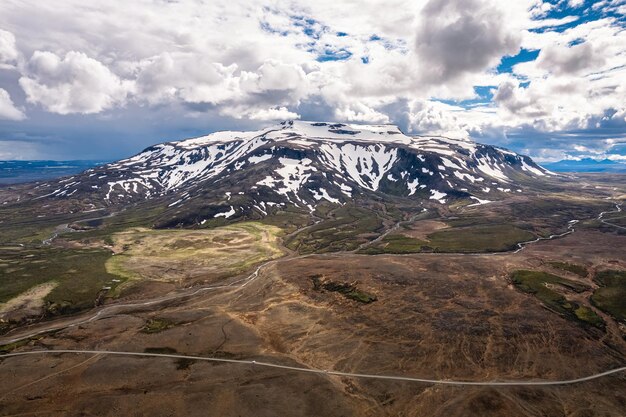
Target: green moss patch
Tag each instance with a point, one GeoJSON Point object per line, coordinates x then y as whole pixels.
{"type": "Point", "coordinates": [161, 350]}
{"type": "Point", "coordinates": [546, 286]}
{"type": "Point", "coordinates": [403, 244]}
{"type": "Point", "coordinates": [350, 291]}
{"type": "Point", "coordinates": [611, 296]}
{"type": "Point", "coordinates": [81, 277]}
{"type": "Point", "coordinates": [156, 326]}
{"type": "Point", "coordinates": [484, 238]}
{"type": "Point", "coordinates": [183, 364]}
{"type": "Point", "coordinates": [10, 347]}
{"type": "Point", "coordinates": [345, 230]}
{"type": "Point", "coordinates": [579, 270]}
{"type": "Point", "coordinates": [467, 239]}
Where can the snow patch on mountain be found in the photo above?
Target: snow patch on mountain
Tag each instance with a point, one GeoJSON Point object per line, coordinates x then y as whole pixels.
{"type": "Point", "coordinates": [226, 214]}
{"type": "Point", "coordinates": [412, 185]}
{"type": "Point", "coordinates": [260, 158]}
{"type": "Point", "coordinates": [491, 169]}
{"type": "Point", "coordinates": [364, 164]}
{"type": "Point", "coordinates": [438, 195]}
{"type": "Point", "coordinates": [323, 194]}
{"type": "Point", "coordinates": [478, 201]}
{"type": "Point", "coordinates": [293, 174]}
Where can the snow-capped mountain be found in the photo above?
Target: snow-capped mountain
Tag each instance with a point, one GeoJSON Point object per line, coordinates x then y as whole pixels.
{"type": "Point", "coordinates": [302, 163]}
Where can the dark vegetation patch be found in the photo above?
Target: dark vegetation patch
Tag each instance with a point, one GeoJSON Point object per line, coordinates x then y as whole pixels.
{"type": "Point", "coordinates": [350, 291]}
{"type": "Point", "coordinates": [579, 270]}
{"type": "Point", "coordinates": [135, 217]}
{"type": "Point", "coordinates": [344, 230]}
{"type": "Point", "coordinates": [161, 350]}
{"type": "Point", "coordinates": [551, 215]}
{"type": "Point", "coordinates": [80, 273]}
{"type": "Point", "coordinates": [10, 347]}
{"type": "Point", "coordinates": [611, 296]}
{"type": "Point", "coordinates": [543, 216]}
{"type": "Point", "coordinates": [22, 223]}
{"type": "Point", "coordinates": [484, 238]}
{"type": "Point", "coordinates": [467, 239]}
{"type": "Point", "coordinates": [620, 221]}
{"type": "Point", "coordinates": [470, 221]}
{"type": "Point", "coordinates": [222, 354]}
{"type": "Point", "coordinates": [287, 220]}
{"type": "Point", "coordinates": [81, 227]}
{"type": "Point", "coordinates": [534, 282]}
{"type": "Point", "coordinates": [396, 243]}
{"type": "Point", "coordinates": [546, 286]}
{"type": "Point", "coordinates": [183, 364]}
{"type": "Point", "coordinates": [156, 326]}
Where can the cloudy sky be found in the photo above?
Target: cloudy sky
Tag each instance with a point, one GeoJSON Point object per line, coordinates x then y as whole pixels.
{"type": "Point", "coordinates": [83, 79]}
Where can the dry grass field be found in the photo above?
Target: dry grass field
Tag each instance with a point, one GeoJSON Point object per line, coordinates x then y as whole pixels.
{"type": "Point", "coordinates": [188, 255]}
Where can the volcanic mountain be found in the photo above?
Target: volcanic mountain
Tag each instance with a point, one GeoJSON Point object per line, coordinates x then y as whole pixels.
{"type": "Point", "coordinates": [300, 164]}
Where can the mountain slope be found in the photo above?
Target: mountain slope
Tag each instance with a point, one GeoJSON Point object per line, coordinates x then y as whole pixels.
{"type": "Point", "coordinates": [301, 164]}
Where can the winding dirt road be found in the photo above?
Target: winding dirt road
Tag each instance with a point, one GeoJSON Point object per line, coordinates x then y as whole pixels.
{"type": "Point", "coordinates": [326, 372]}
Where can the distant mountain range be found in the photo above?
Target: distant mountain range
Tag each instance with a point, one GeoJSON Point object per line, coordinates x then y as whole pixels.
{"type": "Point", "coordinates": [15, 172]}
{"type": "Point", "coordinates": [586, 165]}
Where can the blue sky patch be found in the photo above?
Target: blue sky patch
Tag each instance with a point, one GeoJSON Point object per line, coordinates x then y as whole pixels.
{"type": "Point", "coordinates": [508, 62]}
{"type": "Point", "coordinates": [484, 96]}
{"type": "Point", "coordinates": [333, 55]}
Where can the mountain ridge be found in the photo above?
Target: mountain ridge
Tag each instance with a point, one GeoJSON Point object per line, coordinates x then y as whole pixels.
{"type": "Point", "coordinates": [302, 164]}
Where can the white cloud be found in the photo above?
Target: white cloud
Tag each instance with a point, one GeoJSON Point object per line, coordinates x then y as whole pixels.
{"type": "Point", "coordinates": [72, 84]}
{"type": "Point", "coordinates": [8, 110]}
{"type": "Point", "coordinates": [436, 118]}
{"type": "Point", "coordinates": [8, 50]}
{"type": "Point", "coordinates": [561, 59]}
{"type": "Point", "coordinates": [274, 114]}
{"type": "Point", "coordinates": [459, 36]}
{"type": "Point", "coordinates": [550, 23]}
{"type": "Point", "coordinates": [540, 9]}
{"type": "Point", "coordinates": [233, 53]}
{"type": "Point", "coordinates": [273, 59]}
{"type": "Point", "coordinates": [186, 77]}
{"type": "Point", "coordinates": [578, 78]}
{"type": "Point", "coordinates": [275, 75]}
{"type": "Point", "coordinates": [359, 112]}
